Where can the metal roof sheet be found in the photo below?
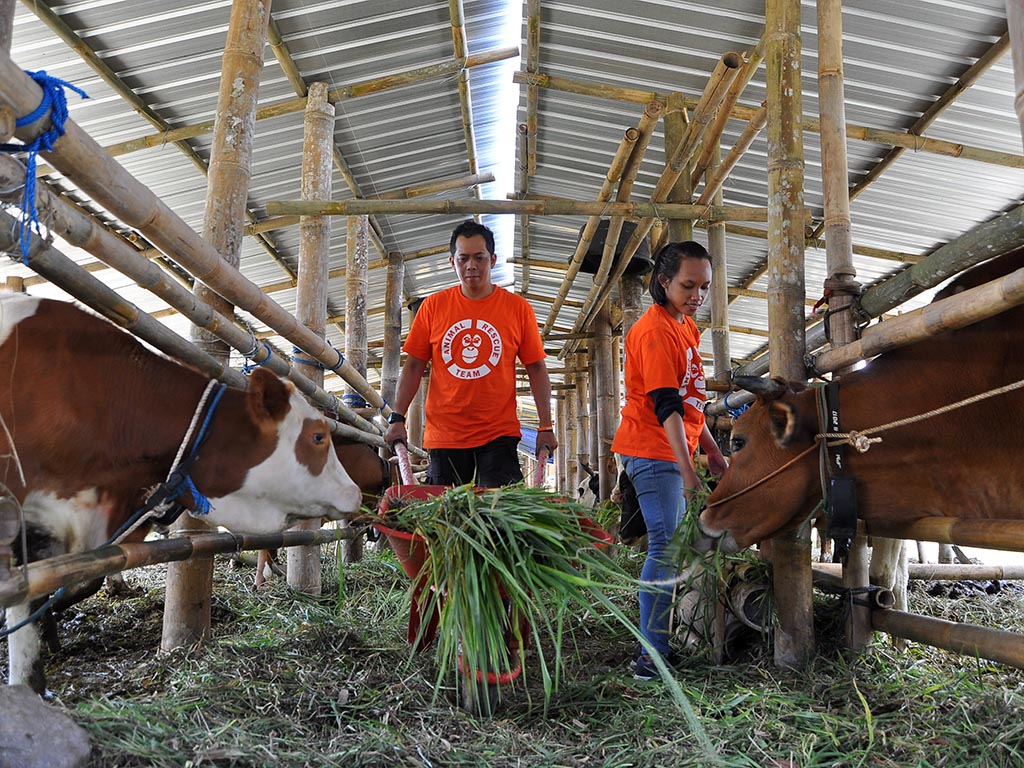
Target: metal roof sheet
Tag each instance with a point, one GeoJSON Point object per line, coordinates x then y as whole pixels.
{"type": "Point", "coordinates": [900, 57]}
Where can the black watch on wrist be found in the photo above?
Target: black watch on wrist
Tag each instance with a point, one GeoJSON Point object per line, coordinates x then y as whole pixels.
{"type": "Point", "coordinates": [396, 418]}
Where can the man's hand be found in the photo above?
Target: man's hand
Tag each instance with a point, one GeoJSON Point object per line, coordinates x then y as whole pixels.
{"type": "Point", "coordinates": [395, 433]}
{"type": "Point", "coordinates": [546, 441]}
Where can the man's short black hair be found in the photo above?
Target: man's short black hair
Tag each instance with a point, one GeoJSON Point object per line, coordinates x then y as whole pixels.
{"type": "Point", "coordinates": [470, 228]}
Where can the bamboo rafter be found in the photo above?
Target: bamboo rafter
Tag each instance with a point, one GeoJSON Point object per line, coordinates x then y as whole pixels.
{"type": "Point", "coordinates": [740, 112]}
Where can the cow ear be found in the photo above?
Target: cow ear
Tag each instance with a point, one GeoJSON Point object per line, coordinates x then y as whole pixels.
{"type": "Point", "coordinates": [268, 398]}
{"type": "Point", "coordinates": [785, 422]}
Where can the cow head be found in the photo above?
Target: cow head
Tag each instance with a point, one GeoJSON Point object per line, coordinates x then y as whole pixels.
{"type": "Point", "coordinates": [775, 429]}
{"type": "Point", "coordinates": [291, 471]}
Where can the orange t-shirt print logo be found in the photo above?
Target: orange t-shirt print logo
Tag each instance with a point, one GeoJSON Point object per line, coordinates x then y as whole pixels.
{"type": "Point", "coordinates": [470, 349]}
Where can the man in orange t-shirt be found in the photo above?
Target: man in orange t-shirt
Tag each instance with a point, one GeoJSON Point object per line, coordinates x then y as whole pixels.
{"type": "Point", "coordinates": [471, 334]}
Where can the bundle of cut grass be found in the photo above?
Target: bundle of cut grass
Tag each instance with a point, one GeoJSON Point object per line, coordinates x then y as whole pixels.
{"type": "Point", "coordinates": [502, 564]}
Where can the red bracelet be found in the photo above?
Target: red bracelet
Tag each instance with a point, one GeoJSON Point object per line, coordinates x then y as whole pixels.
{"type": "Point", "coordinates": [545, 429]}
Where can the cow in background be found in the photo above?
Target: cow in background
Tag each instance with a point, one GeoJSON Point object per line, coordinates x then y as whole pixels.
{"type": "Point", "coordinates": [92, 422]}
{"type": "Point", "coordinates": [372, 474]}
{"type": "Point", "coordinates": [951, 465]}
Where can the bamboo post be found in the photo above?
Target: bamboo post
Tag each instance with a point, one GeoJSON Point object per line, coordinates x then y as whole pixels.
{"type": "Point", "coordinates": [311, 289]}
{"type": "Point", "coordinates": [840, 285]}
{"type": "Point", "coordinates": [631, 290]}
{"type": "Point", "coordinates": [719, 288]}
{"type": "Point", "coordinates": [593, 384]}
{"type": "Point", "coordinates": [1015, 21]}
{"type": "Point", "coordinates": [357, 246]}
{"type": "Point", "coordinates": [190, 584]}
{"type": "Point", "coordinates": [582, 393]}
{"type": "Point", "coordinates": [607, 407]}
{"type": "Point", "coordinates": [682, 190]}
{"type": "Point", "coordinates": [571, 436]}
{"type": "Point", "coordinates": [6, 25]}
{"type": "Point", "coordinates": [532, 91]}
{"type": "Point", "coordinates": [524, 219]}
{"type": "Point", "coordinates": [561, 430]}
{"type": "Point", "coordinates": [392, 354]}
{"type": "Point", "coordinates": [791, 555]}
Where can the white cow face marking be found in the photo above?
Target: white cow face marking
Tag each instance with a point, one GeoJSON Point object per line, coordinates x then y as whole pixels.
{"type": "Point", "coordinates": [287, 486]}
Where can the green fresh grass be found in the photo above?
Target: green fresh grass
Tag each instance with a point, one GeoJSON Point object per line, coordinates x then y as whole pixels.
{"type": "Point", "coordinates": [289, 680]}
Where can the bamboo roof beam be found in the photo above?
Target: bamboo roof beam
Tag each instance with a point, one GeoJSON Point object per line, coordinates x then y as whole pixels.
{"type": "Point", "coordinates": [291, 71]}
{"type": "Point", "coordinates": [930, 115]}
{"type": "Point", "coordinates": [291, 106]}
{"type": "Point", "coordinates": [740, 112]}
{"type": "Point", "coordinates": [618, 164]}
{"type": "Point", "coordinates": [611, 240]}
{"type": "Point", "coordinates": [563, 207]}
{"type": "Point", "coordinates": [111, 78]}
{"type": "Point", "coordinates": [715, 90]}
{"type": "Point", "coordinates": [717, 176]}
{"type": "Point", "coordinates": [762, 234]}
{"type": "Point", "coordinates": [752, 61]}
{"type": "Point", "coordinates": [404, 193]}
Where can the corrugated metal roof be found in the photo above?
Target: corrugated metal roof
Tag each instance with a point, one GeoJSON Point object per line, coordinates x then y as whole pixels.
{"type": "Point", "coordinates": [900, 57]}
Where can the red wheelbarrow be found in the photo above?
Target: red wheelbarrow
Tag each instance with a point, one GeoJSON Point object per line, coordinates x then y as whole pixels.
{"type": "Point", "coordinates": [480, 691]}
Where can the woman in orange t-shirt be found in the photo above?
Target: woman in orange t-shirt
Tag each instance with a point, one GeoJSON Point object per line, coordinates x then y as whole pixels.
{"type": "Point", "coordinates": [663, 425]}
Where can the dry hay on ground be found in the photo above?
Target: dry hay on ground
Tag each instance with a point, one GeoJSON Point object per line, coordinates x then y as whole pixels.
{"type": "Point", "coordinates": [294, 681]}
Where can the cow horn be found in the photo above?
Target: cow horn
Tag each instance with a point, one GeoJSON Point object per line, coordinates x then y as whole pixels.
{"type": "Point", "coordinates": [769, 389]}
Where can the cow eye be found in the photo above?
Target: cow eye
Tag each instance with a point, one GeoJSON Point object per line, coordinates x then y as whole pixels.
{"type": "Point", "coordinates": [319, 438]}
{"type": "Point", "coordinates": [736, 444]}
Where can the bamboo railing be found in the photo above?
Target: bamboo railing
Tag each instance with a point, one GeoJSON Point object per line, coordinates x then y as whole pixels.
{"type": "Point", "coordinates": [45, 576]}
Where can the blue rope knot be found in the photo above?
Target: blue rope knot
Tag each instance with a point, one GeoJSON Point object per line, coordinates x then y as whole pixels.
{"type": "Point", "coordinates": [201, 502]}
{"type": "Point", "coordinates": [253, 364]}
{"type": "Point", "coordinates": [55, 102]}
{"type": "Point", "coordinates": [296, 357]}
{"type": "Point", "coordinates": [734, 412]}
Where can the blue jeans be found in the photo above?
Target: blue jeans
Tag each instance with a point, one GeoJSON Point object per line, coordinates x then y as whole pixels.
{"type": "Point", "coordinates": [659, 489]}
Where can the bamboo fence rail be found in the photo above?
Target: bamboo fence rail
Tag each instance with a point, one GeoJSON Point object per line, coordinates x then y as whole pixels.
{"type": "Point", "coordinates": [42, 577]}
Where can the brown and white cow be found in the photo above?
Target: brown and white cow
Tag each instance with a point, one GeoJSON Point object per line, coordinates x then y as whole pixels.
{"type": "Point", "coordinates": [91, 420]}
{"type": "Point", "coordinates": [953, 465]}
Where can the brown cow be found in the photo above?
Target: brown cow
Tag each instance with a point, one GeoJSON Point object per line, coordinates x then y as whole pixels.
{"type": "Point", "coordinates": [92, 421]}
{"type": "Point", "coordinates": [954, 465]}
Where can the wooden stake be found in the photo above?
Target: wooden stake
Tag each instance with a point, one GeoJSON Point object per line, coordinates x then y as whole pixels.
{"type": "Point", "coordinates": [791, 555]}
{"type": "Point", "coordinates": [190, 585]}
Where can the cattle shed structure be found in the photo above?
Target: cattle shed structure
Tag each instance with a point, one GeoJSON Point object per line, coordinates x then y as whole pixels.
{"type": "Point", "coordinates": [736, 122]}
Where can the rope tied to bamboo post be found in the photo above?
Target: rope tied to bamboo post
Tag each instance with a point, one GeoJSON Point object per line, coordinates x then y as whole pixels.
{"type": "Point", "coordinates": [252, 363]}
{"type": "Point", "coordinates": [55, 102]}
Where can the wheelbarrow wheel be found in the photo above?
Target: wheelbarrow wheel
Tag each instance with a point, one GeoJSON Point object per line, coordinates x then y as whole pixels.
{"type": "Point", "coordinates": [480, 697]}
